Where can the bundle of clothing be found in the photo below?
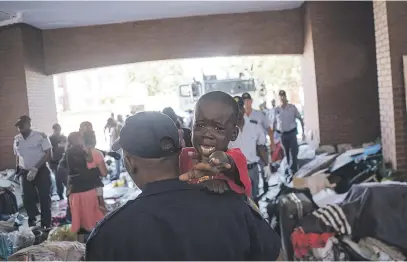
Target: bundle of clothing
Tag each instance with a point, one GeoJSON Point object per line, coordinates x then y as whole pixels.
{"type": "Point", "coordinates": [8, 202]}
{"type": "Point", "coordinates": [51, 251]}
{"type": "Point", "coordinates": [368, 225]}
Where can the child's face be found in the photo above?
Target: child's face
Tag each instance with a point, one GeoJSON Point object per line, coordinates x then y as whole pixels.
{"type": "Point", "coordinates": [213, 128]}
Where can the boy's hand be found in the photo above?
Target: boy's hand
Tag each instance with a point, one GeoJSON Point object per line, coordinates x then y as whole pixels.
{"type": "Point", "coordinates": [202, 172]}
{"type": "Point", "coordinates": [205, 169]}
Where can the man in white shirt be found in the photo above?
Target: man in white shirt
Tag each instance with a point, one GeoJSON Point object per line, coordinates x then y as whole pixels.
{"type": "Point", "coordinates": [257, 117]}
{"type": "Point", "coordinates": [286, 125]}
{"type": "Point", "coordinates": [251, 138]}
{"type": "Point", "coordinates": [33, 151]}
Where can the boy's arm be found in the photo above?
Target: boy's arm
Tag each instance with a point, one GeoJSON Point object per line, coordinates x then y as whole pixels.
{"type": "Point", "coordinates": [238, 171]}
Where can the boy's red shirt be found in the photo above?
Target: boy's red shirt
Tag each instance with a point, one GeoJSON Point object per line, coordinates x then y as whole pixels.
{"type": "Point", "coordinates": [186, 164]}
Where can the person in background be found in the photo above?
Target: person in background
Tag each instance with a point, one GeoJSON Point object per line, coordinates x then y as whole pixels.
{"type": "Point", "coordinates": [115, 128]}
{"type": "Point", "coordinates": [184, 133]}
{"type": "Point", "coordinates": [172, 220]}
{"type": "Point", "coordinates": [257, 117]}
{"type": "Point", "coordinates": [58, 142]}
{"type": "Point", "coordinates": [88, 134]}
{"type": "Point", "coordinates": [286, 125]}
{"type": "Point", "coordinates": [33, 151]}
{"type": "Point", "coordinates": [251, 141]}
{"type": "Point", "coordinates": [108, 125]}
{"type": "Point", "coordinates": [120, 120]}
{"type": "Point", "coordinates": [85, 206]}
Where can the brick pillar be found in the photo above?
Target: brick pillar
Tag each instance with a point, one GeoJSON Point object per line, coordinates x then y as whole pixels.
{"type": "Point", "coordinates": [340, 63]}
{"type": "Point", "coordinates": [13, 91]}
{"type": "Point", "coordinates": [24, 89]}
{"type": "Point", "coordinates": [391, 44]}
{"type": "Point", "coordinates": [40, 87]}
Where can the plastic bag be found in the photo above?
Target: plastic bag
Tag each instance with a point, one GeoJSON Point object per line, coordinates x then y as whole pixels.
{"type": "Point", "coordinates": [22, 238]}
{"type": "Point", "coordinates": [62, 233]}
{"type": "Point", "coordinates": [6, 246]}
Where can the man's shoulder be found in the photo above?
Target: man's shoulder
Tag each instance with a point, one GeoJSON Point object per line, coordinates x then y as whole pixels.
{"type": "Point", "coordinates": [257, 113]}
{"type": "Point", "coordinates": [18, 137]}
{"type": "Point", "coordinates": [39, 134]}
{"type": "Point", "coordinates": [121, 217]}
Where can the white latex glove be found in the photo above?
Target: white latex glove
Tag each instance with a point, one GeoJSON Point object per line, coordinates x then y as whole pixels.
{"type": "Point", "coordinates": [267, 172]}
{"type": "Point", "coordinates": [32, 173]}
{"type": "Point", "coordinates": [317, 183]}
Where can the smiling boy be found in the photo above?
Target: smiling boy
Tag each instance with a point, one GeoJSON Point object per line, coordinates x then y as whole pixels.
{"type": "Point", "coordinates": [215, 126]}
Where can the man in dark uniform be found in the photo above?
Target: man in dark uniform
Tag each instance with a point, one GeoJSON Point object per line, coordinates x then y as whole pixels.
{"type": "Point", "coordinates": [33, 151]}
{"type": "Point", "coordinates": [58, 142]}
{"type": "Point", "coordinates": [173, 220]}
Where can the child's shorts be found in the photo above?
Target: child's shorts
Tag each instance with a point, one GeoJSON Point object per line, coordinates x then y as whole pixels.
{"type": "Point", "coordinates": [99, 191]}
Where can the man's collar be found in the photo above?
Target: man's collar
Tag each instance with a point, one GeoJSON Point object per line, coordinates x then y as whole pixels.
{"type": "Point", "coordinates": [167, 185]}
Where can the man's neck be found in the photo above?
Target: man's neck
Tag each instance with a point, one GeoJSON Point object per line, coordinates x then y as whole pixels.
{"type": "Point", "coordinates": [26, 134]}
{"type": "Point", "coordinates": [248, 111]}
{"type": "Point", "coordinates": [150, 177]}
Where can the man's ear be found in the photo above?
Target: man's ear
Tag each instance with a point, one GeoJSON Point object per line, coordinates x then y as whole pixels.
{"type": "Point", "coordinates": [130, 164]}
{"type": "Point", "coordinates": [235, 133]}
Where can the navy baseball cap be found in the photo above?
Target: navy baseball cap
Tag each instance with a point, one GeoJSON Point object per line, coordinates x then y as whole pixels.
{"type": "Point", "coordinates": [149, 135]}
{"type": "Point", "coordinates": [22, 120]}
{"type": "Point", "coordinates": [246, 96]}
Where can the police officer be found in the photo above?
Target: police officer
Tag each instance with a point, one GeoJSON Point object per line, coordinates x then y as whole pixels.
{"type": "Point", "coordinates": [257, 117]}
{"type": "Point", "coordinates": [33, 151]}
{"type": "Point", "coordinates": [251, 141]}
{"type": "Point", "coordinates": [286, 124]}
{"type": "Point", "coordinates": [172, 220]}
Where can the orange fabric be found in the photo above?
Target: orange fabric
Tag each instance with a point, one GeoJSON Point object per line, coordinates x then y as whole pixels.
{"type": "Point", "coordinates": [97, 157]}
{"type": "Point", "coordinates": [186, 164]}
{"type": "Point", "coordinates": [85, 210]}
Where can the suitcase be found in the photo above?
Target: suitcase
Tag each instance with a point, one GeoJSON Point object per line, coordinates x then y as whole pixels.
{"type": "Point", "coordinates": [292, 207]}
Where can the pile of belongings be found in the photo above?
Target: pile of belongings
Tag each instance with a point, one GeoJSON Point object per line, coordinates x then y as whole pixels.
{"type": "Point", "coordinates": [117, 193]}
{"type": "Point", "coordinates": [350, 168]}
{"type": "Point", "coordinates": [9, 180]}
{"type": "Point", "coordinates": [8, 202]}
{"type": "Point", "coordinates": [369, 224]}
{"type": "Point", "coordinates": [51, 251]}
{"type": "Point", "coordinates": [10, 242]}
{"type": "Point", "coordinates": [62, 233]}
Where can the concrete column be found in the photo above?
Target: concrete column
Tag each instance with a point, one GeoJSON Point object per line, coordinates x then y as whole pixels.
{"type": "Point", "coordinates": [340, 86]}
{"type": "Point", "coordinates": [24, 89]}
{"type": "Point", "coordinates": [391, 44]}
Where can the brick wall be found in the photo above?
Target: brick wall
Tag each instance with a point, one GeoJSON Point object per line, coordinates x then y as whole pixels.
{"type": "Point", "coordinates": [390, 21]}
{"type": "Point", "coordinates": [24, 89]}
{"type": "Point", "coordinates": [13, 94]}
{"type": "Point", "coordinates": [40, 88]}
{"type": "Point", "coordinates": [385, 82]}
{"type": "Point", "coordinates": [274, 32]}
{"type": "Point", "coordinates": [345, 66]}
{"type": "Point", "coordinates": [311, 114]}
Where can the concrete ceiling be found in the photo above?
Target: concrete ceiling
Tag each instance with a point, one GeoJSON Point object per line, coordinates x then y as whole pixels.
{"type": "Point", "coordinates": [61, 14]}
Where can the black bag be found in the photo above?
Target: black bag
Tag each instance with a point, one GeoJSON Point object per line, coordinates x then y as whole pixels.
{"type": "Point", "coordinates": [8, 202]}
{"type": "Point", "coordinates": [292, 207]}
